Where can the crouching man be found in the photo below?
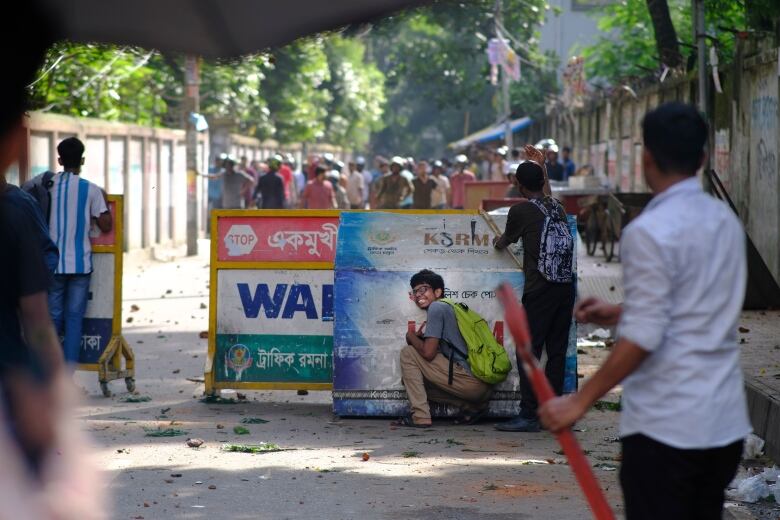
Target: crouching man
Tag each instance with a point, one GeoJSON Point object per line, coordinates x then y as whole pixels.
{"type": "Point", "coordinates": [425, 361]}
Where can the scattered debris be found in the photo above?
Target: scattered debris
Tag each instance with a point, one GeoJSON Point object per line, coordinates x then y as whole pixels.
{"type": "Point", "coordinates": [129, 319]}
{"type": "Point", "coordinates": [134, 308]}
{"type": "Point", "coordinates": [204, 334]}
{"type": "Point", "coordinates": [195, 379]}
{"type": "Point", "coordinates": [410, 454]}
{"type": "Point", "coordinates": [751, 490]}
{"type": "Point", "coordinates": [176, 475]}
{"type": "Point", "coordinates": [194, 443]}
{"type": "Point", "coordinates": [453, 442]}
{"type": "Point", "coordinates": [203, 306]}
{"type": "Point", "coordinates": [176, 371]}
{"type": "Point", "coordinates": [240, 396]}
{"type": "Point", "coordinates": [215, 399]}
{"type": "Point", "coordinates": [164, 411]}
{"type": "Point", "coordinates": [605, 466]}
{"type": "Point", "coordinates": [489, 487]}
{"type": "Point", "coordinates": [744, 330]}
{"type": "Point", "coordinates": [240, 430]}
{"type": "Point", "coordinates": [600, 334]}
{"type": "Point", "coordinates": [253, 420]}
{"type": "Point", "coordinates": [220, 426]}
{"type": "Point", "coordinates": [164, 432]}
{"type": "Point", "coordinates": [608, 405]}
{"type": "Point", "coordinates": [754, 447]}
{"type": "Point", "coordinates": [212, 486]}
{"type": "Point", "coordinates": [135, 399]}
{"type": "Point", "coordinates": [533, 462]}
{"type": "Point", "coordinates": [366, 456]}
{"type": "Point", "coordinates": [263, 447]}
{"type": "Point", "coordinates": [303, 392]}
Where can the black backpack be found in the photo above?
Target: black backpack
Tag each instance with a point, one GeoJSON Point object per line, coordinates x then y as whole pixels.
{"type": "Point", "coordinates": [39, 187]}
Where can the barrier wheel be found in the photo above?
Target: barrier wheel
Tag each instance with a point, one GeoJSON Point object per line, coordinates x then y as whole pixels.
{"type": "Point", "coordinates": [130, 384]}
{"type": "Point", "coordinates": [104, 388]}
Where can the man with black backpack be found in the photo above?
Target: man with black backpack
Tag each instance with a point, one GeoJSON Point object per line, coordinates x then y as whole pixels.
{"type": "Point", "coordinates": [436, 364]}
{"type": "Point", "coordinates": [548, 294]}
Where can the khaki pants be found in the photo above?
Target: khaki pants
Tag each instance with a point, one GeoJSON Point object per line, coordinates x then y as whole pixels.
{"type": "Point", "coordinates": [427, 381]}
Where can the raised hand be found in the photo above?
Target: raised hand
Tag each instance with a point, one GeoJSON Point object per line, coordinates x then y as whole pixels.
{"type": "Point", "coordinates": [534, 154]}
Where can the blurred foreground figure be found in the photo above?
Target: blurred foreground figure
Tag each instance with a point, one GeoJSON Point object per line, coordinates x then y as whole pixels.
{"type": "Point", "coordinates": [46, 472]}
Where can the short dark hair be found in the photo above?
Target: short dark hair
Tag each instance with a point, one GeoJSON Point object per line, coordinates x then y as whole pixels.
{"type": "Point", "coordinates": [675, 134]}
{"type": "Point", "coordinates": [530, 175]}
{"type": "Point", "coordinates": [319, 169]}
{"type": "Point", "coordinates": [71, 151]}
{"type": "Point", "coordinates": [515, 153]}
{"type": "Point", "coordinates": [429, 277]}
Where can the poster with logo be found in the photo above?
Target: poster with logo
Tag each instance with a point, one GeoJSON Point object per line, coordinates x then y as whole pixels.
{"type": "Point", "coordinates": [275, 326]}
{"type": "Point", "coordinates": [377, 255]}
{"type": "Point", "coordinates": [271, 313]}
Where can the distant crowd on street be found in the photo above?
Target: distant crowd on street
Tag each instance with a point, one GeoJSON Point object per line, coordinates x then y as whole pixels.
{"type": "Point", "coordinates": [325, 182]}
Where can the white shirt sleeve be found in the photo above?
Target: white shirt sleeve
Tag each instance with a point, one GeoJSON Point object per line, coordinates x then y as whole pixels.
{"type": "Point", "coordinates": [647, 286]}
{"type": "Point", "coordinates": [97, 206]}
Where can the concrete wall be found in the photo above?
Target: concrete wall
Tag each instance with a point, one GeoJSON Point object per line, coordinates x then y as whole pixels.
{"type": "Point", "coordinates": [146, 165]}
{"type": "Point", "coordinates": [744, 143]}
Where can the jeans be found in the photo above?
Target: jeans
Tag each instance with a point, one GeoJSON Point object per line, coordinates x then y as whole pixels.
{"type": "Point", "coordinates": [67, 304]}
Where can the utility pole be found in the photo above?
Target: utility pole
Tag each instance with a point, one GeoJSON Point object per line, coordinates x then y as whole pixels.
{"type": "Point", "coordinates": [700, 35]}
{"type": "Point", "coordinates": [192, 106]}
{"type": "Point", "coordinates": [504, 86]}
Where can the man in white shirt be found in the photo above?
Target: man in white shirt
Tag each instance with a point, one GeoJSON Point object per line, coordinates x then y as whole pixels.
{"type": "Point", "coordinates": [441, 194]}
{"type": "Point", "coordinates": [684, 269]}
{"type": "Point", "coordinates": [75, 204]}
{"type": "Point", "coordinates": [355, 187]}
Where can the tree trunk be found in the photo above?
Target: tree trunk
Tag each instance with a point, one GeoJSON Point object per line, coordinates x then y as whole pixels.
{"type": "Point", "coordinates": [665, 34]}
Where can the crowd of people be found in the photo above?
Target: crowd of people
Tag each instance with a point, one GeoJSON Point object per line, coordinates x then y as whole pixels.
{"type": "Point", "coordinates": [396, 183]}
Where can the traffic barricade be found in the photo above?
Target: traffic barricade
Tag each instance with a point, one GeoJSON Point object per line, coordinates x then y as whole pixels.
{"type": "Point", "coordinates": [103, 349]}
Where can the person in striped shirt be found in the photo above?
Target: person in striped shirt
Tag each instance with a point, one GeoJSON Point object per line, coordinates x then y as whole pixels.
{"type": "Point", "coordinates": [75, 204]}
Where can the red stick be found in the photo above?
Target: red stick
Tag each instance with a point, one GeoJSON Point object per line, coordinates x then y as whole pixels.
{"type": "Point", "coordinates": [518, 325]}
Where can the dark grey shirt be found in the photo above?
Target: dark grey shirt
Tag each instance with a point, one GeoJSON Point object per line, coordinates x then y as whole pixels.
{"type": "Point", "coordinates": [442, 324]}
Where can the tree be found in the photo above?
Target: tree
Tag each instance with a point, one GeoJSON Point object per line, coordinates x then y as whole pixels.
{"type": "Point", "coordinates": [665, 34]}
{"type": "Point", "coordinates": [629, 49]}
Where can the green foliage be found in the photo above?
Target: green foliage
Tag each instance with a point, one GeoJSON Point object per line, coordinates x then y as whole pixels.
{"type": "Point", "coordinates": [627, 47]}
{"type": "Point", "coordinates": [438, 75]}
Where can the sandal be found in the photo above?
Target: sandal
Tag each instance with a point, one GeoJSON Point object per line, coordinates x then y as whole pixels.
{"type": "Point", "coordinates": [408, 422]}
{"type": "Point", "coordinates": [469, 419]}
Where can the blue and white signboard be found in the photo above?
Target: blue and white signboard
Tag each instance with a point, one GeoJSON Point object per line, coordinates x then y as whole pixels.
{"type": "Point", "coordinates": [376, 256]}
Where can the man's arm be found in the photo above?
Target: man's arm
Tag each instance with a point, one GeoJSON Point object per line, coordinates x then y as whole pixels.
{"type": "Point", "coordinates": [512, 231]}
{"type": "Point", "coordinates": [39, 332]}
{"type": "Point", "coordinates": [426, 347]}
{"type": "Point", "coordinates": [100, 211]}
{"type": "Point", "coordinates": [561, 412]}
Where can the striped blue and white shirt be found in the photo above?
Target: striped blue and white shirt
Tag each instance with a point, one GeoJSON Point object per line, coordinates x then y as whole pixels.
{"type": "Point", "coordinates": [74, 202]}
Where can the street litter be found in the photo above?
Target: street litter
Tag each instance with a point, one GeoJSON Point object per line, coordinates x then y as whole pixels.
{"type": "Point", "coordinates": [253, 420]}
{"type": "Point", "coordinates": [583, 343]}
{"type": "Point", "coordinates": [600, 334]}
{"type": "Point", "coordinates": [215, 399]}
{"type": "Point", "coordinates": [240, 430]}
{"type": "Point", "coordinates": [263, 447]}
{"type": "Point", "coordinates": [194, 443]}
{"type": "Point", "coordinates": [135, 399]}
{"type": "Point", "coordinates": [751, 490]}
{"type": "Point", "coordinates": [754, 447]}
{"type": "Point", "coordinates": [608, 405]}
{"type": "Point", "coordinates": [166, 432]}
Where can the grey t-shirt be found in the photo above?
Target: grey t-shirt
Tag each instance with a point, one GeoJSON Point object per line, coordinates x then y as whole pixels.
{"type": "Point", "coordinates": [442, 324]}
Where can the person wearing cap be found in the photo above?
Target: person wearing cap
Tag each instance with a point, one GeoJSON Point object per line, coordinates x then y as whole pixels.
{"type": "Point", "coordinates": [458, 182]}
{"type": "Point", "coordinates": [441, 193]}
{"type": "Point", "coordinates": [339, 183]}
{"type": "Point", "coordinates": [498, 165]}
{"type": "Point", "coordinates": [269, 192]}
{"type": "Point", "coordinates": [554, 167]}
{"type": "Point", "coordinates": [393, 188]}
{"type": "Point", "coordinates": [318, 193]}
{"type": "Point", "coordinates": [549, 304]}
{"type": "Point", "coordinates": [356, 187]}
{"type": "Point", "coordinates": [288, 180]}
{"type": "Point", "coordinates": [383, 170]}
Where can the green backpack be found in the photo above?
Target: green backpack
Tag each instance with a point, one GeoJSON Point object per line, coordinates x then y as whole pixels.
{"type": "Point", "coordinates": [488, 360]}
